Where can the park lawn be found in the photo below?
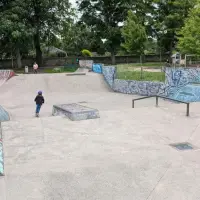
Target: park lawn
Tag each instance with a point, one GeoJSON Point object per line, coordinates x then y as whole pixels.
{"type": "Point", "coordinates": [48, 70]}
{"type": "Point", "coordinates": [146, 76]}
{"type": "Point", "coordinates": [63, 70]}
{"type": "Point", "coordinates": [150, 65]}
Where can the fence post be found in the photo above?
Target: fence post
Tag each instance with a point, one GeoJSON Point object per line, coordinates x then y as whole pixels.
{"type": "Point", "coordinates": [188, 110]}
{"type": "Point", "coordinates": [133, 103]}
{"type": "Point", "coordinates": [156, 101]}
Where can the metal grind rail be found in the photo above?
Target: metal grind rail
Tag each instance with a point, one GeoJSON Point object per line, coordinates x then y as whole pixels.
{"type": "Point", "coordinates": [157, 98]}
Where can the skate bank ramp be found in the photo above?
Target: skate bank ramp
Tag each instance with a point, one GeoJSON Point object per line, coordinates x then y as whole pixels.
{"type": "Point", "coordinates": [5, 75]}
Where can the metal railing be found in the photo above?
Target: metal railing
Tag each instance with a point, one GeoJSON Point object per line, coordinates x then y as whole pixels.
{"type": "Point", "coordinates": [162, 97]}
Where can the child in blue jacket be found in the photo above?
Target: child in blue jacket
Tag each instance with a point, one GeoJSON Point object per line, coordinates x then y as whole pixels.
{"type": "Point", "coordinates": [39, 99]}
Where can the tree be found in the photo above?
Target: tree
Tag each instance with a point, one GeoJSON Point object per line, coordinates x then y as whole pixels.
{"type": "Point", "coordinates": [104, 17]}
{"type": "Point", "coordinates": [14, 33]}
{"type": "Point", "coordinates": [45, 16]}
{"type": "Point", "coordinates": [37, 20]}
{"type": "Point", "coordinates": [167, 18]}
{"type": "Point", "coordinates": [189, 38]}
{"type": "Point", "coordinates": [134, 35]}
{"type": "Point", "coordinates": [76, 36]}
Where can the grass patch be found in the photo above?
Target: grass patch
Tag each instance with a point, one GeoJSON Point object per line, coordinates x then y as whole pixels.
{"type": "Point", "coordinates": [61, 70]}
{"type": "Point", "coordinates": [151, 65]}
{"type": "Point", "coordinates": [48, 70]}
{"type": "Point", "coordinates": [146, 76]}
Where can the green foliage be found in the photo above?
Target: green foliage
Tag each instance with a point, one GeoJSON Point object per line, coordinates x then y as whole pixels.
{"type": "Point", "coordinates": [24, 22]}
{"type": "Point", "coordinates": [76, 36]}
{"type": "Point", "coordinates": [104, 16]}
{"type": "Point", "coordinates": [134, 35]}
{"type": "Point", "coordinates": [168, 18]}
{"type": "Point", "coordinates": [27, 25]}
{"type": "Point", "coordinates": [189, 40]}
{"type": "Point", "coordinates": [60, 70]}
{"type": "Point", "coordinates": [86, 53]}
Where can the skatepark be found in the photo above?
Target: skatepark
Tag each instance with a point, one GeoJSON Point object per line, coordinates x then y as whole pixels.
{"type": "Point", "coordinates": [124, 154]}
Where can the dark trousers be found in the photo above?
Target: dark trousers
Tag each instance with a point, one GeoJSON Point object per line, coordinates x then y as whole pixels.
{"type": "Point", "coordinates": [38, 107]}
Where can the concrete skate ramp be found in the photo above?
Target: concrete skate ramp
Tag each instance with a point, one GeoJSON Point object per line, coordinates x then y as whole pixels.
{"type": "Point", "coordinates": [57, 89]}
{"type": "Point", "coordinates": [1, 158]}
{"type": "Point", "coordinates": [5, 75]}
{"type": "Point", "coordinates": [82, 70]}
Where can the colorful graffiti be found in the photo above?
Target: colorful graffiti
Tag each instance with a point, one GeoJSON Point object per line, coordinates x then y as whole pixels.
{"type": "Point", "coordinates": [181, 84]}
{"type": "Point", "coordinates": [97, 68]}
{"type": "Point", "coordinates": [4, 116]}
{"type": "Point", "coordinates": [109, 75]}
{"type": "Point", "coordinates": [145, 88]}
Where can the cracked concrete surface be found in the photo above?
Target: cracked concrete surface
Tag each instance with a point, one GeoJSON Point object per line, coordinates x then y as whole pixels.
{"type": "Point", "coordinates": [125, 154]}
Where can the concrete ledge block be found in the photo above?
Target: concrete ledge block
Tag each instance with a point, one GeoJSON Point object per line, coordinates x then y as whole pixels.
{"type": "Point", "coordinates": [75, 112]}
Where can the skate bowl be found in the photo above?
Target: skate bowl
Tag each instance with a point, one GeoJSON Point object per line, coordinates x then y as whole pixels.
{"type": "Point", "coordinates": [75, 112]}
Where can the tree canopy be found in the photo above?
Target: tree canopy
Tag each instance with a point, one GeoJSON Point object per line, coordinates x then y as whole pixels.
{"type": "Point", "coordinates": [24, 21]}
{"type": "Point", "coordinates": [29, 27]}
{"type": "Point", "coordinates": [104, 17]}
{"type": "Point", "coordinates": [189, 39]}
{"type": "Point", "coordinates": [134, 35]}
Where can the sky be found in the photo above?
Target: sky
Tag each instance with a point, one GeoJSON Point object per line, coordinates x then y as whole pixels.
{"type": "Point", "coordinates": [73, 2]}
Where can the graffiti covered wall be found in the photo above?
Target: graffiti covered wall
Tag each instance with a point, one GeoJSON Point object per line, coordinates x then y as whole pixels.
{"type": "Point", "coordinates": [181, 84]}
{"type": "Point", "coordinates": [145, 88]}
{"type": "Point", "coordinates": [97, 68]}
{"type": "Point", "coordinates": [109, 75]}
{"type": "Point", "coordinates": [4, 116]}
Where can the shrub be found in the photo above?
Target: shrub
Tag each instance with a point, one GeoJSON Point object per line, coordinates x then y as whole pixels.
{"type": "Point", "coordinates": [86, 53]}
{"type": "Point", "coordinates": [57, 70]}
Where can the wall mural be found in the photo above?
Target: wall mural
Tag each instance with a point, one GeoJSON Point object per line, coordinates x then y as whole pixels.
{"type": "Point", "coordinates": [4, 116]}
{"type": "Point", "coordinates": [109, 75]}
{"type": "Point", "coordinates": [97, 68]}
{"type": "Point", "coordinates": [181, 84]}
{"type": "Point", "coordinates": [145, 88]}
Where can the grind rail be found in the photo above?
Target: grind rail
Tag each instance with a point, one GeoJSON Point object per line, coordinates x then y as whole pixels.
{"type": "Point", "coordinates": [162, 97]}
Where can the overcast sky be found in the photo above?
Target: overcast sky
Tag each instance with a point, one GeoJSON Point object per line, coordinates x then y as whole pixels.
{"type": "Point", "coordinates": [73, 2]}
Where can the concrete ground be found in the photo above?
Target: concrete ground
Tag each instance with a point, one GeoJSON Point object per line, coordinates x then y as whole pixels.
{"type": "Point", "coordinates": [124, 155]}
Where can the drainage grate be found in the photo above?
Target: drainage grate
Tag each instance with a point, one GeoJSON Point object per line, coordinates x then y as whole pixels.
{"type": "Point", "coordinates": [183, 146]}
